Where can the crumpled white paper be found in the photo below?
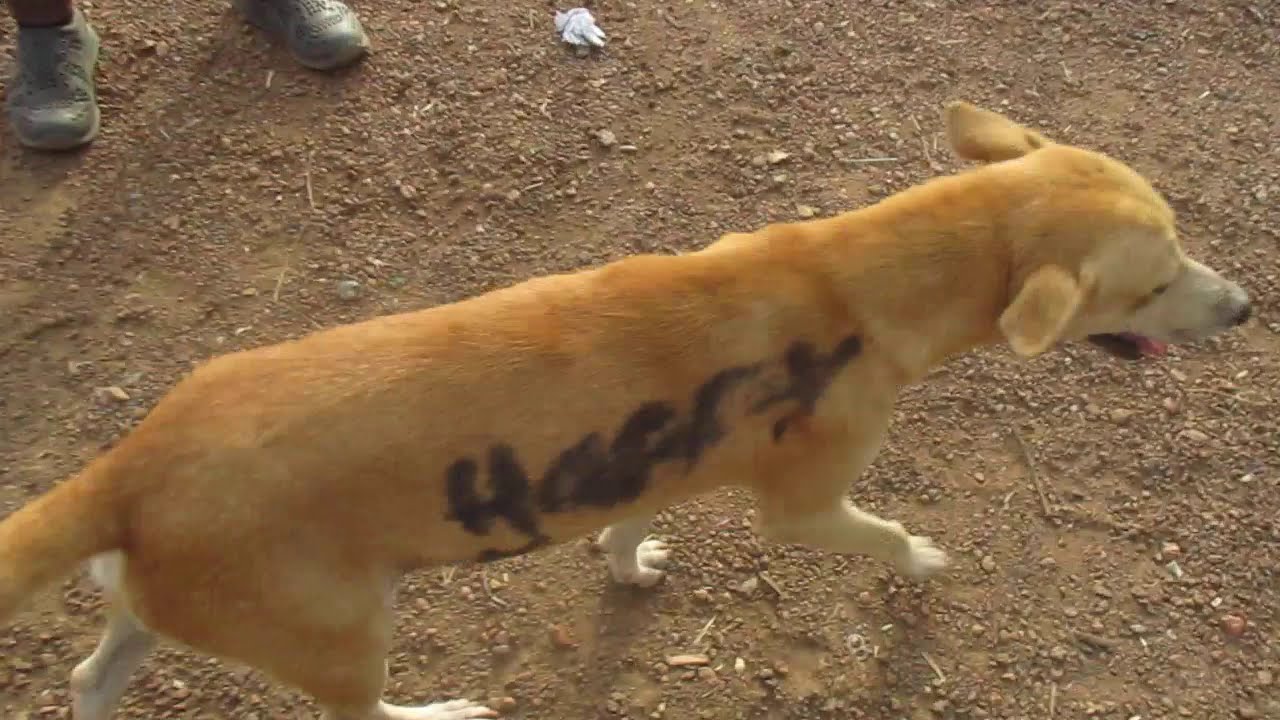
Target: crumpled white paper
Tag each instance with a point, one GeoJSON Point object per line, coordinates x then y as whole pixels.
{"type": "Point", "coordinates": [578, 27]}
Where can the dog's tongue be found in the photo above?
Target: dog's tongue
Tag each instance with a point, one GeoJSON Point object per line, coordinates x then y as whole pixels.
{"type": "Point", "coordinates": [1147, 345]}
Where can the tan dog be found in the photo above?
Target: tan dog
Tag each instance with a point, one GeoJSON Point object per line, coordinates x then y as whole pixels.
{"type": "Point", "coordinates": [265, 509]}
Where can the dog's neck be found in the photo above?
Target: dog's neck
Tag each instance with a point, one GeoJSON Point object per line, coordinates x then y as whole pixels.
{"type": "Point", "coordinates": [927, 269]}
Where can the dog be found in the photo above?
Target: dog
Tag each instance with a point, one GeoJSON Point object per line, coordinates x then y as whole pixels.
{"type": "Point", "coordinates": [263, 511]}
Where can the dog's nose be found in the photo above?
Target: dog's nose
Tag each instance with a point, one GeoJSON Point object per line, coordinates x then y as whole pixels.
{"type": "Point", "coordinates": [1242, 315]}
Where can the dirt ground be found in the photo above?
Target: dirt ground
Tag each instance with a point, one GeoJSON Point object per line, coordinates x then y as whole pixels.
{"type": "Point", "coordinates": [1115, 527]}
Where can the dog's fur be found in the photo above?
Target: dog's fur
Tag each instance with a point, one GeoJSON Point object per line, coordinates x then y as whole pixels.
{"type": "Point", "coordinates": [264, 510]}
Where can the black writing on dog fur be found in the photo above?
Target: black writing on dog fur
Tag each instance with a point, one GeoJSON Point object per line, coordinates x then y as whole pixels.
{"type": "Point", "coordinates": [810, 373]}
{"type": "Point", "coordinates": [591, 473]}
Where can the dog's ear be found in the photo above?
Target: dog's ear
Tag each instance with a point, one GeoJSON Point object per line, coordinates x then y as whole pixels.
{"type": "Point", "coordinates": [985, 136]}
{"type": "Point", "coordinates": [1044, 306]}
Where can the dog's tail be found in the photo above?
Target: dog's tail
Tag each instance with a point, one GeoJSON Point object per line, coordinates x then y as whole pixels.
{"type": "Point", "coordinates": [44, 541]}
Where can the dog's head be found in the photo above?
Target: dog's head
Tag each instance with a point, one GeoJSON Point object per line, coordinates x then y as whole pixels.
{"type": "Point", "coordinates": [1094, 249]}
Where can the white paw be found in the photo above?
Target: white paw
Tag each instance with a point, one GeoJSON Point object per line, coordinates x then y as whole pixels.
{"type": "Point", "coordinates": [452, 710]}
{"type": "Point", "coordinates": [923, 558]}
{"type": "Point", "coordinates": [646, 569]}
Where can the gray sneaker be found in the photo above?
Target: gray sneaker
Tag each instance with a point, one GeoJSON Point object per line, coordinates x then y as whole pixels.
{"type": "Point", "coordinates": [52, 102]}
{"type": "Point", "coordinates": [321, 34]}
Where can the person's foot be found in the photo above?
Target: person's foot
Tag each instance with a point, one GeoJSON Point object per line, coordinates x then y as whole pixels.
{"type": "Point", "coordinates": [321, 34]}
{"type": "Point", "coordinates": [52, 101]}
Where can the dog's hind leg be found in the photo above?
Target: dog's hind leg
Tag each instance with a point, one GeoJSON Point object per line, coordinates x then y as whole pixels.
{"type": "Point", "coordinates": [633, 559]}
{"type": "Point", "coordinates": [98, 683]}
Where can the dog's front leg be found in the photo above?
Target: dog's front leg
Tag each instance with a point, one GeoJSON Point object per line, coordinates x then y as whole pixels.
{"type": "Point", "coordinates": [840, 527]}
{"type": "Point", "coordinates": [633, 558]}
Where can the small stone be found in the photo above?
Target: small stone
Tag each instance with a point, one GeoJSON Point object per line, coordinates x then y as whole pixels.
{"type": "Point", "coordinates": [561, 638]}
{"type": "Point", "coordinates": [1193, 435]}
{"type": "Point", "coordinates": [777, 156]}
{"type": "Point", "coordinates": [513, 195]}
{"type": "Point", "coordinates": [740, 666]}
{"type": "Point", "coordinates": [1233, 625]}
{"type": "Point", "coordinates": [606, 138]}
{"type": "Point", "coordinates": [806, 211]}
{"type": "Point", "coordinates": [1121, 416]}
{"type": "Point", "coordinates": [348, 289]}
{"type": "Point", "coordinates": [703, 595]}
{"type": "Point", "coordinates": [1174, 569]}
{"type": "Point", "coordinates": [1265, 678]}
{"type": "Point", "coordinates": [112, 393]}
{"type": "Point", "coordinates": [1248, 712]}
{"type": "Point", "coordinates": [749, 585]}
{"type": "Point", "coordinates": [1169, 551]}
{"type": "Point", "coordinates": [407, 191]}
{"type": "Point", "coordinates": [988, 563]}
{"type": "Point", "coordinates": [1171, 405]}
{"type": "Point", "coordinates": [504, 705]}
{"type": "Point", "coordinates": [706, 674]}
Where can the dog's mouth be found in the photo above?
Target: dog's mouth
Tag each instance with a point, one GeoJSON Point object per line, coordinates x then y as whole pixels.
{"type": "Point", "coordinates": [1129, 346]}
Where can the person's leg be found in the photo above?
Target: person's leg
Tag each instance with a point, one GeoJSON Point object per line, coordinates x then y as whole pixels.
{"type": "Point", "coordinates": [321, 34]}
{"type": "Point", "coordinates": [52, 102]}
{"type": "Point", "coordinates": [40, 13]}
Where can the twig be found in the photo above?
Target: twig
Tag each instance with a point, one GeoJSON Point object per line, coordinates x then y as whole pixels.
{"type": "Point", "coordinates": [270, 74]}
{"type": "Point", "coordinates": [1097, 642]}
{"type": "Point", "coordinates": [1227, 394]}
{"type": "Point", "coordinates": [1034, 474]}
{"type": "Point", "coordinates": [275, 294]}
{"type": "Point", "coordinates": [484, 582]}
{"type": "Point", "coordinates": [1053, 699]}
{"type": "Point", "coordinates": [873, 160]}
{"type": "Point", "coordinates": [705, 628]}
{"type": "Point", "coordinates": [446, 575]}
{"type": "Point", "coordinates": [311, 196]}
{"type": "Point", "coordinates": [934, 666]}
{"type": "Point", "coordinates": [772, 585]}
{"type": "Point", "coordinates": [1008, 498]}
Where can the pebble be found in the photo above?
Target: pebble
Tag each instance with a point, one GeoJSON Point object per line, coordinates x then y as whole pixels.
{"type": "Point", "coordinates": [1233, 625]}
{"type": "Point", "coordinates": [112, 393]}
{"type": "Point", "coordinates": [1169, 551]}
{"type": "Point", "coordinates": [1121, 416]}
{"type": "Point", "coordinates": [348, 289]}
{"type": "Point", "coordinates": [561, 638]}
{"type": "Point", "coordinates": [777, 156]}
{"type": "Point", "coordinates": [806, 211]}
{"type": "Point", "coordinates": [606, 138]}
{"type": "Point", "coordinates": [1193, 435]}
{"type": "Point", "coordinates": [988, 563]}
